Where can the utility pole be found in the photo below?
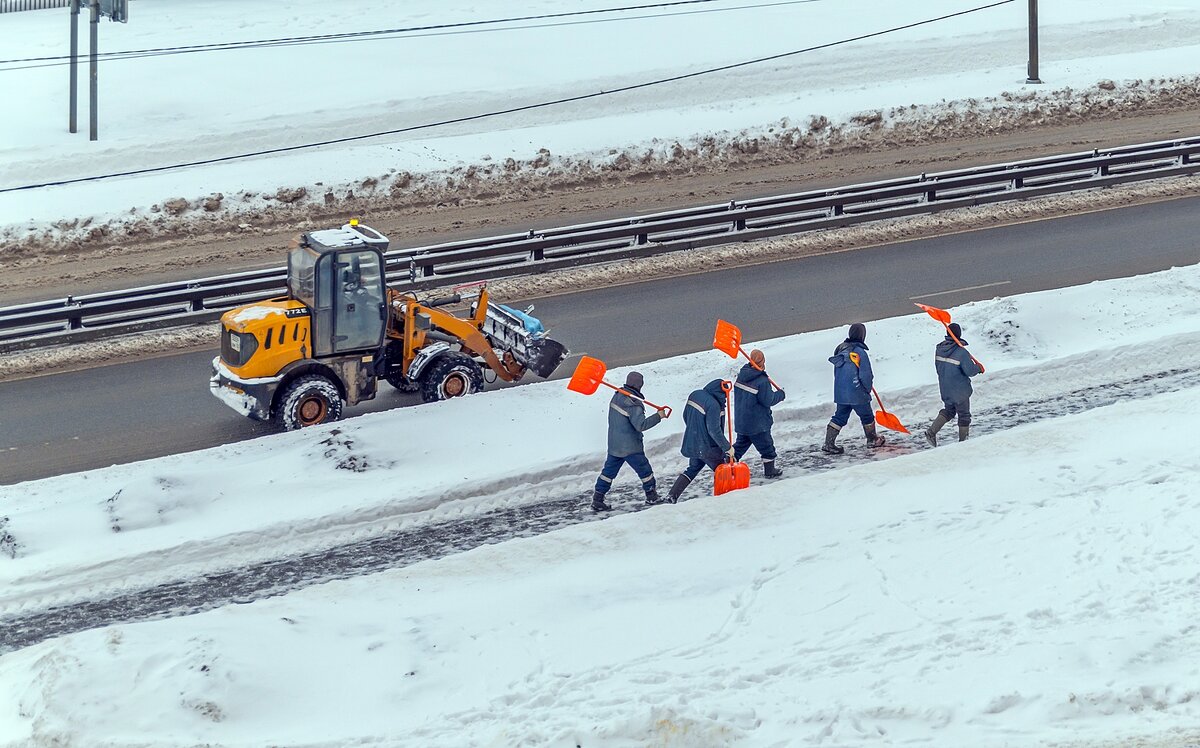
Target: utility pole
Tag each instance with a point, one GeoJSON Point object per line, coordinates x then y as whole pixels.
{"type": "Point", "coordinates": [1033, 43]}
{"type": "Point", "coordinates": [74, 64]}
{"type": "Point", "coordinates": [95, 74]}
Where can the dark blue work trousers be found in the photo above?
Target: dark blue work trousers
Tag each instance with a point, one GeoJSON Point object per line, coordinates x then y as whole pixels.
{"type": "Point", "coordinates": [841, 416]}
{"type": "Point", "coordinates": [712, 458]}
{"type": "Point", "coordinates": [962, 409]}
{"type": "Point", "coordinates": [761, 441]}
{"type": "Point", "coordinates": [612, 466]}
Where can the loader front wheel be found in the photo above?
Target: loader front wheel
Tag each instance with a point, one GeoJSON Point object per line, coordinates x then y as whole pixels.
{"type": "Point", "coordinates": [308, 401]}
{"type": "Point", "coordinates": [451, 375]}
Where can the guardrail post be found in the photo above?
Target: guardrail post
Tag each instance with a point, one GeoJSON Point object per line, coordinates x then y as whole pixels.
{"type": "Point", "coordinates": [412, 270]}
{"type": "Point", "coordinates": [75, 321]}
{"type": "Point", "coordinates": [739, 224]}
{"type": "Point", "coordinates": [537, 254]}
{"type": "Point", "coordinates": [640, 238]}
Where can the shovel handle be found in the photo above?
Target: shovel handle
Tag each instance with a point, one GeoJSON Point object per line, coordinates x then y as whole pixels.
{"type": "Point", "coordinates": [879, 400]}
{"type": "Point", "coordinates": [727, 387]}
{"type": "Point", "coordinates": [960, 345]}
{"type": "Point", "coordinates": [666, 409]}
{"type": "Point", "coordinates": [742, 351]}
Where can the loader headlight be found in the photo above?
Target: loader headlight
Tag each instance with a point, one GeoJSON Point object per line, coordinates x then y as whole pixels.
{"type": "Point", "coordinates": [237, 347]}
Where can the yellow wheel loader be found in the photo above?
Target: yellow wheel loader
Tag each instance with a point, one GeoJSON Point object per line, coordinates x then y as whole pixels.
{"type": "Point", "coordinates": [297, 360]}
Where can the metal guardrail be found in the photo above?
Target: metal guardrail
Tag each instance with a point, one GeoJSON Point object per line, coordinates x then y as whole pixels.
{"type": "Point", "coordinates": [79, 318]}
{"type": "Point", "coordinates": [15, 6]}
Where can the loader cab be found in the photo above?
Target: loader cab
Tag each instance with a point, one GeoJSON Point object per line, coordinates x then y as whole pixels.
{"type": "Point", "coordinates": [339, 275]}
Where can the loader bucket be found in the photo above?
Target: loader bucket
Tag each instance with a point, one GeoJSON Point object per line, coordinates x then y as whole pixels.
{"type": "Point", "coordinates": [588, 375]}
{"type": "Point", "coordinates": [545, 355]}
{"type": "Point", "coordinates": [727, 338]}
{"type": "Point", "coordinates": [730, 476]}
{"type": "Point", "coordinates": [941, 315]}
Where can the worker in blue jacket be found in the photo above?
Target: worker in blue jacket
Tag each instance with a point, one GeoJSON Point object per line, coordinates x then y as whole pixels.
{"type": "Point", "coordinates": [704, 442]}
{"type": "Point", "coordinates": [753, 398]}
{"type": "Point", "coordinates": [627, 421]}
{"type": "Point", "coordinates": [955, 367]}
{"type": "Point", "coordinates": [851, 390]}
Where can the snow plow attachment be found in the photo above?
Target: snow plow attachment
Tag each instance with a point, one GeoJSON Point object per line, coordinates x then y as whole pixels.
{"type": "Point", "coordinates": [941, 315]}
{"type": "Point", "coordinates": [589, 375]}
{"type": "Point", "coordinates": [545, 355]}
{"type": "Point", "coordinates": [731, 475]}
{"type": "Point", "coordinates": [522, 335]}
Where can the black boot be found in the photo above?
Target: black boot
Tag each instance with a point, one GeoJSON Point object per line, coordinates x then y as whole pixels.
{"type": "Point", "coordinates": [677, 488]}
{"type": "Point", "coordinates": [873, 439]}
{"type": "Point", "coordinates": [829, 447]}
{"type": "Point", "coordinates": [935, 427]}
{"type": "Point", "coordinates": [770, 471]}
{"type": "Point", "coordinates": [598, 504]}
{"type": "Point", "coordinates": [653, 498]}
{"type": "Point", "coordinates": [962, 432]}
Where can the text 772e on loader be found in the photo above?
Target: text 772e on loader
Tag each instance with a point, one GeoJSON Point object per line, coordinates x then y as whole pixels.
{"type": "Point", "coordinates": [296, 360]}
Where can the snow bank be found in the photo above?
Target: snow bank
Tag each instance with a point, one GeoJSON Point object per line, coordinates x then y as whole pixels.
{"type": "Point", "coordinates": [170, 109]}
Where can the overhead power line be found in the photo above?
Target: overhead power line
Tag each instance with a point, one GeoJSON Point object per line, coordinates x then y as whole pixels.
{"type": "Point", "coordinates": [511, 110]}
{"type": "Point", "coordinates": [289, 40]}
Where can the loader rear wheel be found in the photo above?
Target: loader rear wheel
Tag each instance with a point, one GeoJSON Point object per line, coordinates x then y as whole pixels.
{"type": "Point", "coordinates": [451, 375]}
{"type": "Point", "coordinates": [308, 401]}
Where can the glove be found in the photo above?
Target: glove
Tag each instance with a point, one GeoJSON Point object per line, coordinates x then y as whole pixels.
{"type": "Point", "coordinates": [662, 413]}
{"type": "Point", "coordinates": [730, 453]}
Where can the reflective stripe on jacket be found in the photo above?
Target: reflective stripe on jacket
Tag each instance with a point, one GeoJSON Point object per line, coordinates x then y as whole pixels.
{"type": "Point", "coordinates": [955, 367]}
{"type": "Point", "coordinates": [753, 398]}
{"type": "Point", "coordinates": [626, 421]}
{"type": "Point", "coordinates": [704, 421]}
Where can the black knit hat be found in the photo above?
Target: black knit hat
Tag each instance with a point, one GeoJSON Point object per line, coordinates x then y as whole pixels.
{"type": "Point", "coordinates": [955, 330]}
{"type": "Point", "coordinates": [858, 331]}
{"type": "Point", "coordinates": [634, 379]}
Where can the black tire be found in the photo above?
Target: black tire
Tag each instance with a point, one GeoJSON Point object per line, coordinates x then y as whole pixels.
{"type": "Point", "coordinates": [402, 383]}
{"type": "Point", "coordinates": [450, 375]}
{"type": "Point", "coordinates": [308, 401]}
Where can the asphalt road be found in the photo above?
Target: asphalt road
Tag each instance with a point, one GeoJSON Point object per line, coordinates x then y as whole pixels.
{"type": "Point", "coordinates": [132, 411]}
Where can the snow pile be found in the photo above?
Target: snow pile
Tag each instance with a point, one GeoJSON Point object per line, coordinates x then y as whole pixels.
{"type": "Point", "coordinates": [1030, 587]}
{"type": "Point", "coordinates": [959, 76]}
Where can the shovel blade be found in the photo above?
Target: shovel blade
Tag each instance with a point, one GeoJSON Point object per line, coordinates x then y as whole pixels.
{"type": "Point", "coordinates": [889, 421]}
{"type": "Point", "coordinates": [727, 338]}
{"type": "Point", "coordinates": [730, 476]}
{"type": "Point", "coordinates": [588, 375]}
{"type": "Point", "coordinates": [941, 315]}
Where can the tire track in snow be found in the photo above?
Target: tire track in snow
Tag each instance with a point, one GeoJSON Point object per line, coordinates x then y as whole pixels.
{"type": "Point", "coordinates": [423, 542]}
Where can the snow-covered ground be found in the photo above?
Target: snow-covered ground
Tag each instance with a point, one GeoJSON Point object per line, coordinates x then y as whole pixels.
{"type": "Point", "coordinates": [1034, 585]}
{"type": "Point", "coordinates": [170, 109]}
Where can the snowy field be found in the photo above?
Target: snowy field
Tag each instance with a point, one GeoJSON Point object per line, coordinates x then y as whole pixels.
{"type": "Point", "coordinates": [1033, 586]}
{"type": "Point", "coordinates": [168, 109]}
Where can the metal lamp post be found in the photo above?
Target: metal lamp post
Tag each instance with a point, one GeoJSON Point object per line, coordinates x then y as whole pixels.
{"type": "Point", "coordinates": [1033, 43]}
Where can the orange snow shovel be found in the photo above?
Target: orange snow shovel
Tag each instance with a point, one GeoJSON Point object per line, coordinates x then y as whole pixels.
{"type": "Point", "coordinates": [882, 417]}
{"type": "Point", "coordinates": [589, 375]}
{"type": "Point", "coordinates": [730, 476]}
{"type": "Point", "coordinates": [728, 340]}
{"type": "Point", "coordinates": [941, 315]}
